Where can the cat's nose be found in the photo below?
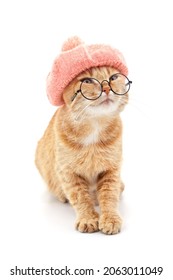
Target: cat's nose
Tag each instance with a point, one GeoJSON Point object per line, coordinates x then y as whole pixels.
{"type": "Point", "coordinates": [106, 89]}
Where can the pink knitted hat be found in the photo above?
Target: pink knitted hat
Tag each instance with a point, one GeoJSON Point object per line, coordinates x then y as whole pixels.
{"type": "Point", "coordinates": [75, 58]}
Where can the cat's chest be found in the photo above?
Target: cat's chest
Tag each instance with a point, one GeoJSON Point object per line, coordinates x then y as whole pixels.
{"type": "Point", "coordinates": [90, 150]}
{"type": "Point", "coordinates": [93, 160]}
{"type": "Point", "coordinates": [92, 137]}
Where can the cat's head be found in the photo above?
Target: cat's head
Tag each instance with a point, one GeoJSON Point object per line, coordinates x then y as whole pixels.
{"type": "Point", "coordinates": [78, 61]}
{"type": "Point", "coordinates": [97, 92]}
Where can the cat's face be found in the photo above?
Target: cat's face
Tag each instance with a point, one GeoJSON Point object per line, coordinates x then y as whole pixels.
{"type": "Point", "coordinates": [93, 85]}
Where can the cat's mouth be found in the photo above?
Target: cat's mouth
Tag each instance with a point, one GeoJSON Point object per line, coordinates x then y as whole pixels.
{"type": "Point", "coordinates": [106, 102]}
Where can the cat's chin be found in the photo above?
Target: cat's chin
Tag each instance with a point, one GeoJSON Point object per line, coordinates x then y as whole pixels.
{"type": "Point", "coordinates": [106, 102]}
{"type": "Point", "coordinates": [105, 107]}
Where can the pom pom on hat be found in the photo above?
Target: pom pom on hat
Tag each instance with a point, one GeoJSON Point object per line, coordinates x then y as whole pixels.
{"type": "Point", "coordinates": [71, 43]}
{"type": "Point", "coordinates": [76, 57]}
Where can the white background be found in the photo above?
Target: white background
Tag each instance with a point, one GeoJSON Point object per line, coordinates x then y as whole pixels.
{"type": "Point", "coordinates": [37, 230]}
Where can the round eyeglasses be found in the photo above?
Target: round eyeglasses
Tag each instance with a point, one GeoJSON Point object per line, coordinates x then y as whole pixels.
{"type": "Point", "coordinates": [92, 89]}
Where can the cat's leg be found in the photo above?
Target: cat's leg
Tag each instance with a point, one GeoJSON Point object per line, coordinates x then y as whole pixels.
{"type": "Point", "coordinates": [76, 190]}
{"type": "Point", "coordinates": [46, 169]}
{"type": "Point", "coordinates": [108, 191]}
{"type": "Point", "coordinates": [59, 194]}
{"type": "Point", "coordinates": [55, 188]}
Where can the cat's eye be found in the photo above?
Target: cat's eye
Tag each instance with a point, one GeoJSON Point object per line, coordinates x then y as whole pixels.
{"type": "Point", "coordinates": [114, 77]}
{"type": "Point", "coordinates": [87, 80]}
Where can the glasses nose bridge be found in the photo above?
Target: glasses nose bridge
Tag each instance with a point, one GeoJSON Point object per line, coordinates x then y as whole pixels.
{"type": "Point", "coordinates": [104, 82]}
{"type": "Point", "coordinates": [105, 87]}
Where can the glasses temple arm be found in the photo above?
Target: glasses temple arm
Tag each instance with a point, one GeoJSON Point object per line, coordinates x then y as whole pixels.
{"type": "Point", "coordinates": [74, 96]}
{"type": "Point", "coordinates": [129, 82]}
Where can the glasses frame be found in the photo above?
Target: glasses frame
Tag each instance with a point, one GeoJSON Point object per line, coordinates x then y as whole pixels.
{"type": "Point", "coordinates": [101, 87]}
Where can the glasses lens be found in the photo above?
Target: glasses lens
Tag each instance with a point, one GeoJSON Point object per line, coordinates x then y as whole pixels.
{"type": "Point", "coordinates": [90, 88]}
{"type": "Point", "coordinates": [119, 83]}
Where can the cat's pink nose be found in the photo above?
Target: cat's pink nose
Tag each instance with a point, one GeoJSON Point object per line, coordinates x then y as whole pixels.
{"type": "Point", "coordinates": [106, 89]}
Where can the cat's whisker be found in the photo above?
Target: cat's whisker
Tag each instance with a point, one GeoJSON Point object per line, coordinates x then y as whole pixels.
{"type": "Point", "coordinates": [138, 101]}
{"type": "Point", "coordinates": [134, 105]}
{"type": "Point", "coordinates": [121, 101]}
{"type": "Point", "coordinates": [83, 110]}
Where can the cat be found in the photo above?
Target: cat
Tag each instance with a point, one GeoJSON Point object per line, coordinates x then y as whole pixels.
{"type": "Point", "coordinates": [80, 153]}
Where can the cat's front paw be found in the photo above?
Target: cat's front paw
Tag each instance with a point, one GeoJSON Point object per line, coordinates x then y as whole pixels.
{"type": "Point", "coordinates": [88, 224]}
{"type": "Point", "coordinates": [110, 223]}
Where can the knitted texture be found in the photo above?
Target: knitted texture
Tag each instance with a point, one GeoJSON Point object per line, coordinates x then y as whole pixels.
{"type": "Point", "coordinates": [76, 57]}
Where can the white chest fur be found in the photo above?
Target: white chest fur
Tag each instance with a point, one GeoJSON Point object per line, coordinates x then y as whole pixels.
{"type": "Point", "coordinates": [93, 137]}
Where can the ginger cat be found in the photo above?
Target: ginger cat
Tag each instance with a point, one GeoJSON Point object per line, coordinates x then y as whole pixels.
{"type": "Point", "coordinates": [80, 153]}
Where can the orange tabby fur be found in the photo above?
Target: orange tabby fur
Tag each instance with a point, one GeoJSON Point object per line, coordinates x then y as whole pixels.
{"type": "Point", "coordinates": [79, 155]}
